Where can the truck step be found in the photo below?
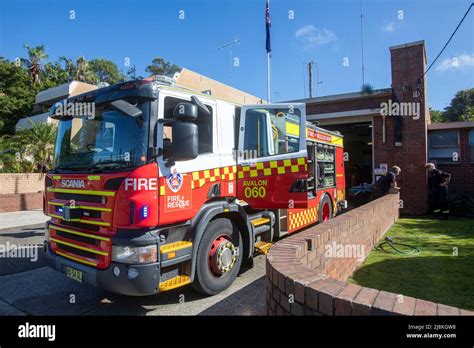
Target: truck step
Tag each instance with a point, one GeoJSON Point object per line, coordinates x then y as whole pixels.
{"type": "Point", "coordinates": [175, 246]}
{"type": "Point", "coordinates": [261, 229]}
{"type": "Point", "coordinates": [260, 221]}
{"type": "Point", "coordinates": [263, 247]}
{"type": "Point", "coordinates": [175, 282]}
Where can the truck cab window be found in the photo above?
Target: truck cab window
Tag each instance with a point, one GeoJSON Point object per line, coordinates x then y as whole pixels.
{"type": "Point", "coordinates": [204, 123]}
{"type": "Point", "coordinates": [271, 132]}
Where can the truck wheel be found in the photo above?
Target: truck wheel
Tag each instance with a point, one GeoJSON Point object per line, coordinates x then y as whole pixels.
{"type": "Point", "coordinates": [325, 209]}
{"type": "Point", "coordinates": [219, 257]}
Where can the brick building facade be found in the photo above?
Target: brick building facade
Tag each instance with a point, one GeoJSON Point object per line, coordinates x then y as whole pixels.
{"type": "Point", "coordinates": [392, 139]}
{"type": "Point", "coordinates": [462, 168]}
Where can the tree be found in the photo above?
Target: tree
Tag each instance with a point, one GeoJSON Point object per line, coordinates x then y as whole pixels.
{"type": "Point", "coordinates": [106, 71]}
{"type": "Point", "coordinates": [17, 96]}
{"type": "Point", "coordinates": [13, 157]}
{"type": "Point", "coordinates": [436, 116]}
{"type": "Point", "coordinates": [83, 72]}
{"type": "Point", "coordinates": [159, 66]}
{"type": "Point", "coordinates": [54, 75]}
{"type": "Point", "coordinates": [39, 141]}
{"type": "Point", "coordinates": [461, 107]}
{"type": "Point", "coordinates": [35, 57]}
{"type": "Point", "coordinates": [29, 150]}
{"type": "Point", "coordinates": [79, 71]}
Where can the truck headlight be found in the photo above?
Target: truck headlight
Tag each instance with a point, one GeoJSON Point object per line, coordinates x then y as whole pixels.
{"type": "Point", "coordinates": [127, 254]}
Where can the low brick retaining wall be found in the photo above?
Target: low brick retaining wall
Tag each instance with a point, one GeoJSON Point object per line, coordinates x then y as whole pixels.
{"type": "Point", "coordinates": [21, 191]}
{"type": "Point", "coordinates": [15, 183]}
{"type": "Point", "coordinates": [307, 272]}
{"type": "Point", "coordinates": [22, 201]}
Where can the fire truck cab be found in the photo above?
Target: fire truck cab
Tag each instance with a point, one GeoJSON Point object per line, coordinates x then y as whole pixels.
{"type": "Point", "coordinates": [164, 186]}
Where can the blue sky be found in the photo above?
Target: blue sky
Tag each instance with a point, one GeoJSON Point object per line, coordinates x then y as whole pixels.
{"type": "Point", "coordinates": [325, 31]}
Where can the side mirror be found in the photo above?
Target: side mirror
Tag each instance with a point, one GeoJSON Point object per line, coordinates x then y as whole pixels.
{"type": "Point", "coordinates": [185, 112]}
{"type": "Point", "coordinates": [185, 141]}
{"type": "Point", "coordinates": [167, 150]}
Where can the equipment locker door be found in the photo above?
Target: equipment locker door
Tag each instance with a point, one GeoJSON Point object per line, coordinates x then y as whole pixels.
{"type": "Point", "coordinates": [272, 156]}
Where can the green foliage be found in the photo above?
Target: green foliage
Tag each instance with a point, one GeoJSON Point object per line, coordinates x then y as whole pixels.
{"type": "Point", "coordinates": [80, 70]}
{"type": "Point", "coordinates": [29, 150]}
{"type": "Point", "coordinates": [436, 116]}
{"type": "Point", "coordinates": [36, 55]}
{"type": "Point", "coordinates": [367, 88]}
{"type": "Point", "coordinates": [17, 96]}
{"type": "Point", "coordinates": [159, 66]}
{"type": "Point", "coordinates": [54, 75]}
{"type": "Point", "coordinates": [106, 71]}
{"type": "Point", "coordinates": [21, 81]}
{"type": "Point", "coordinates": [461, 108]}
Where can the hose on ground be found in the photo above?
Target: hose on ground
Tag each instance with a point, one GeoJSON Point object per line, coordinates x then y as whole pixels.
{"type": "Point", "coordinates": [388, 241]}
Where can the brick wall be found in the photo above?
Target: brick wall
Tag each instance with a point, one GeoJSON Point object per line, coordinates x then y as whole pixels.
{"type": "Point", "coordinates": [21, 201]}
{"type": "Point", "coordinates": [13, 183]}
{"type": "Point", "coordinates": [302, 278]}
{"type": "Point", "coordinates": [21, 191]}
{"type": "Point", "coordinates": [462, 179]}
{"type": "Point", "coordinates": [408, 65]}
{"type": "Point", "coordinates": [369, 101]}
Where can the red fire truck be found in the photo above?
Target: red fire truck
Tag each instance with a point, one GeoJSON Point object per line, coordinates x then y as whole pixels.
{"type": "Point", "coordinates": [161, 186]}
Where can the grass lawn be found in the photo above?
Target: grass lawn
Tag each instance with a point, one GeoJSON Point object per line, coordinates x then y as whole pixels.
{"type": "Point", "coordinates": [436, 273]}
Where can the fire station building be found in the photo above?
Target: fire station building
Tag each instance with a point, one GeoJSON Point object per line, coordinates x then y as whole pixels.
{"type": "Point", "coordinates": [392, 126]}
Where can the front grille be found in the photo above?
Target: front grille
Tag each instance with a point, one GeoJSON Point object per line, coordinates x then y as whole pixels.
{"type": "Point", "coordinates": [81, 226]}
{"type": "Point", "coordinates": [85, 240]}
{"type": "Point", "coordinates": [80, 245]}
{"type": "Point", "coordinates": [79, 252]}
{"type": "Point", "coordinates": [82, 239]}
{"type": "Point", "coordinates": [78, 197]}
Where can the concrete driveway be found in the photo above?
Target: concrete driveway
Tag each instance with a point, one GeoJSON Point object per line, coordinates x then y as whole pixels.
{"type": "Point", "coordinates": [28, 287]}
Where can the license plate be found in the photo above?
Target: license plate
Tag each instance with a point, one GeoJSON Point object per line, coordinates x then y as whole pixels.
{"type": "Point", "coordinates": [74, 274]}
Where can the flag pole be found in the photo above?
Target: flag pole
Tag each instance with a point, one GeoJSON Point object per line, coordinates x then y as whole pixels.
{"type": "Point", "coordinates": [268, 46]}
{"type": "Point", "coordinates": [268, 78]}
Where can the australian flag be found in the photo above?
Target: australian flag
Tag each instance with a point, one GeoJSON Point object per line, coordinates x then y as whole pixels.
{"type": "Point", "coordinates": [267, 23]}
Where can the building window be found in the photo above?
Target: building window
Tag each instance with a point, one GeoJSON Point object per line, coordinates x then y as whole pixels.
{"type": "Point", "coordinates": [471, 144]}
{"type": "Point", "coordinates": [443, 146]}
{"type": "Point", "coordinates": [204, 123]}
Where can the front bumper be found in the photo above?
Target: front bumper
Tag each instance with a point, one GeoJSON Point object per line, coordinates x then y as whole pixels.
{"type": "Point", "coordinates": [146, 283]}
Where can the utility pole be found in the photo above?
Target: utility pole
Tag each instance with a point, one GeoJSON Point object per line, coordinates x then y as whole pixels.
{"type": "Point", "coordinates": [310, 72]}
{"type": "Point", "coordinates": [230, 44]}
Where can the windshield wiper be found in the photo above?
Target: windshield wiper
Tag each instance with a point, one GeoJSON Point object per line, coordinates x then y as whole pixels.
{"type": "Point", "coordinates": [99, 166]}
{"type": "Point", "coordinates": [59, 168]}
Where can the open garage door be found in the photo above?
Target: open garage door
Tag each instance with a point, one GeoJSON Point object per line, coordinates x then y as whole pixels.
{"type": "Point", "coordinates": [359, 165]}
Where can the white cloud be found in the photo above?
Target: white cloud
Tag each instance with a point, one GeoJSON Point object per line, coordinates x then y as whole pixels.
{"type": "Point", "coordinates": [390, 27]}
{"type": "Point", "coordinates": [311, 36]}
{"type": "Point", "coordinates": [455, 63]}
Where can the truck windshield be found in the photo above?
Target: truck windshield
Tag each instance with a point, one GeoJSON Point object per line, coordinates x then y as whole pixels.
{"type": "Point", "coordinates": [109, 141]}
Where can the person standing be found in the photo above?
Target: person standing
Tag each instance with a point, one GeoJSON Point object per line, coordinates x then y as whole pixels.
{"type": "Point", "coordinates": [386, 182]}
{"type": "Point", "coordinates": [438, 191]}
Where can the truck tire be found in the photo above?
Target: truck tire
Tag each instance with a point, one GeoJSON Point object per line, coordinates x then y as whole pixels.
{"type": "Point", "coordinates": [219, 257]}
{"type": "Point", "coordinates": [325, 209]}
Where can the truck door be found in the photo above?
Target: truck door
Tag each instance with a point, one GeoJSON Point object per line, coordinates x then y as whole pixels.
{"type": "Point", "coordinates": [272, 156]}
